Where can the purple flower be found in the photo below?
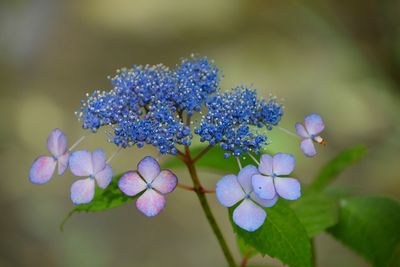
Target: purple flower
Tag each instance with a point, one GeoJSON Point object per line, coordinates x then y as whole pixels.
{"type": "Point", "coordinates": [92, 165]}
{"type": "Point", "coordinates": [313, 126]}
{"type": "Point", "coordinates": [232, 189]}
{"type": "Point", "coordinates": [268, 184]}
{"type": "Point", "coordinates": [43, 167]}
{"type": "Point", "coordinates": [154, 182]}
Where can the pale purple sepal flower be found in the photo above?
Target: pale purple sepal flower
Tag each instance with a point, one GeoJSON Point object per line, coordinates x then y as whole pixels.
{"type": "Point", "coordinates": [155, 183]}
{"type": "Point", "coordinates": [92, 165]}
{"type": "Point", "coordinates": [309, 132]}
{"type": "Point", "coordinates": [231, 189]}
{"type": "Point", "coordinates": [44, 166]}
{"type": "Point", "coordinates": [268, 184]}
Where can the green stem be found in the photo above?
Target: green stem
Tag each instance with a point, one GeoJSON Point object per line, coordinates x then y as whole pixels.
{"type": "Point", "coordinates": [198, 189]}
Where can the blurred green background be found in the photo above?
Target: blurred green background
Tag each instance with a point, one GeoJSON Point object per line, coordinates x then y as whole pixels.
{"type": "Point", "coordinates": [338, 58]}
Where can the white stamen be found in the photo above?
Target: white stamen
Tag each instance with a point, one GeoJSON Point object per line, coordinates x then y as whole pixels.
{"type": "Point", "coordinates": [287, 131]}
{"type": "Point", "coordinates": [77, 143]}
{"type": "Point", "coordinates": [253, 158]}
{"type": "Point", "coordinates": [113, 155]}
{"type": "Point", "coordinates": [238, 161]}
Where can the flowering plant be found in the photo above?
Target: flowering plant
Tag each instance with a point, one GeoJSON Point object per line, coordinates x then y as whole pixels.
{"type": "Point", "coordinates": [172, 109]}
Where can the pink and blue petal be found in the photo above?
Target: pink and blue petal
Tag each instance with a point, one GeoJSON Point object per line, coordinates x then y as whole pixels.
{"type": "Point", "coordinates": [283, 164]}
{"type": "Point", "coordinates": [151, 203]}
{"type": "Point", "coordinates": [314, 124]}
{"type": "Point", "coordinates": [263, 186]}
{"type": "Point", "coordinates": [229, 191]}
{"type": "Point", "coordinates": [308, 148]}
{"type": "Point", "coordinates": [265, 166]}
{"type": "Point", "coordinates": [80, 163]}
{"type": "Point", "coordinates": [249, 216]}
{"type": "Point", "coordinates": [301, 131]}
{"type": "Point", "coordinates": [244, 177]}
{"type": "Point", "coordinates": [131, 183]}
{"type": "Point", "coordinates": [149, 168]}
{"type": "Point", "coordinates": [267, 203]}
{"type": "Point", "coordinates": [104, 177]}
{"type": "Point", "coordinates": [98, 160]}
{"type": "Point", "coordinates": [82, 191]}
{"type": "Point", "coordinates": [165, 182]}
{"type": "Point", "coordinates": [63, 162]}
{"type": "Point", "coordinates": [288, 188]}
{"type": "Point", "coordinates": [42, 170]}
{"type": "Point", "coordinates": [57, 143]}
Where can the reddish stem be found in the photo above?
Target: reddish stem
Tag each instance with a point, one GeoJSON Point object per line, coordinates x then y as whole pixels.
{"type": "Point", "coordinates": [244, 262]}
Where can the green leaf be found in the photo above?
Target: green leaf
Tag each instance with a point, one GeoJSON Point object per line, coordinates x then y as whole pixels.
{"type": "Point", "coordinates": [371, 227]}
{"type": "Point", "coordinates": [316, 211]}
{"type": "Point", "coordinates": [282, 236]}
{"type": "Point", "coordinates": [214, 159]}
{"type": "Point", "coordinates": [104, 199]}
{"type": "Point", "coordinates": [245, 250]}
{"type": "Point", "coordinates": [337, 165]}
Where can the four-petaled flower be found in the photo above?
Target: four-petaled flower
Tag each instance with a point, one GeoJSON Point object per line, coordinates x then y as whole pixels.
{"type": "Point", "coordinates": [268, 184]}
{"type": "Point", "coordinates": [232, 189]}
{"type": "Point", "coordinates": [154, 182]}
{"type": "Point", "coordinates": [92, 165]}
{"type": "Point", "coordinates": [313, 126]}
{"type": "Point", "coordinates": [43, 167]}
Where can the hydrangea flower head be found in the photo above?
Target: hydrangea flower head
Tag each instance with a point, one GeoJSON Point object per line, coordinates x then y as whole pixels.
{"type": "Point", "coordinates": [147, 103]}
{"type": "Point", "coordinates": [152, 181]}
{"type": "Point", "coordinates": [196, 79]}
{"type": "Point", "coordinates": [159, 127]}
{"type": "Point", "coordinates": [231, 189]}
{"type": "Point", "coordinates": [142, 108]}
{"type": "Point", "coordinates": [44, 166]}
{"type": "Point", "coordinates": [309, 132]}
{"type": "Point", "coordinates": [269, 184]}
{"type": "Point", "coordinates": [230, 116]}
{"type": "Point", "coordinates": [92, 165]}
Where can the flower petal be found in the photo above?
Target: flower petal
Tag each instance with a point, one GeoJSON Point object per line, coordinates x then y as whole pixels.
{"type": "Point", "coordinates": [244, 177]}
{"type": "Point", "coordinates": [165, 182]}
{"type": "Point", "coordinates": [283, 164]}
{"type": "Point", "coordinates": [57, 143]}
{"type": "Point", "coordinates": [229, 191]}
{"type": "Point", "coordinates": [265, 166]}
{"type": "Point", "coordinates": [104, 177]}
{"type": "Point", "coordinates": [263, 186]}
{"type": "Point", "coordinates": [301, 131]}
{"type": "Point", "coordinates": [63, 163]}
{"type": "Point", "coordinates": [148, 168]}
{"type": "Point", "coordinates": [267, 203]}
{"type": "Point", "coordinates": [131, 183]}
{"type": "Point", "coordinates": [249, 216]}
{"type": "Point", "coordinates": [314, 124]}
{"type": "Point", "coordinates": [288, 188]}
{"type": "Point", "coordinates": [98, 160]}
{"type": "Point", "coordinates": [307, 146]}
{"type": "Point", "coordinates": [42, 170]}
{"type": "Point", "coordinates": [151, 203]}
{"type": "Point", "coordinates": [82, 191]}
{"type": "Point", "coordinates": [80, 163]}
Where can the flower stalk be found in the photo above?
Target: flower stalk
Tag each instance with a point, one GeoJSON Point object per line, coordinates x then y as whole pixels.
{"type": "Point", "coordinates": [200, 192]}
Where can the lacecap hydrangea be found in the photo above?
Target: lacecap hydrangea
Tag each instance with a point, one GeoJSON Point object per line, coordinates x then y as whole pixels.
{"type": "Point", "coordinates": [147, 104]}
{"type": "Point", "coordinates": [168, 108]}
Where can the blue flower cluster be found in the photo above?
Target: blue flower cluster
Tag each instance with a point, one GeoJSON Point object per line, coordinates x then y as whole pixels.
{"type": "Point", "coordinates": [196, 80]}
{"type": "Point", "coordinates": [147, 105]}
{"type": "Point", "coordinates": [230, 116]}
